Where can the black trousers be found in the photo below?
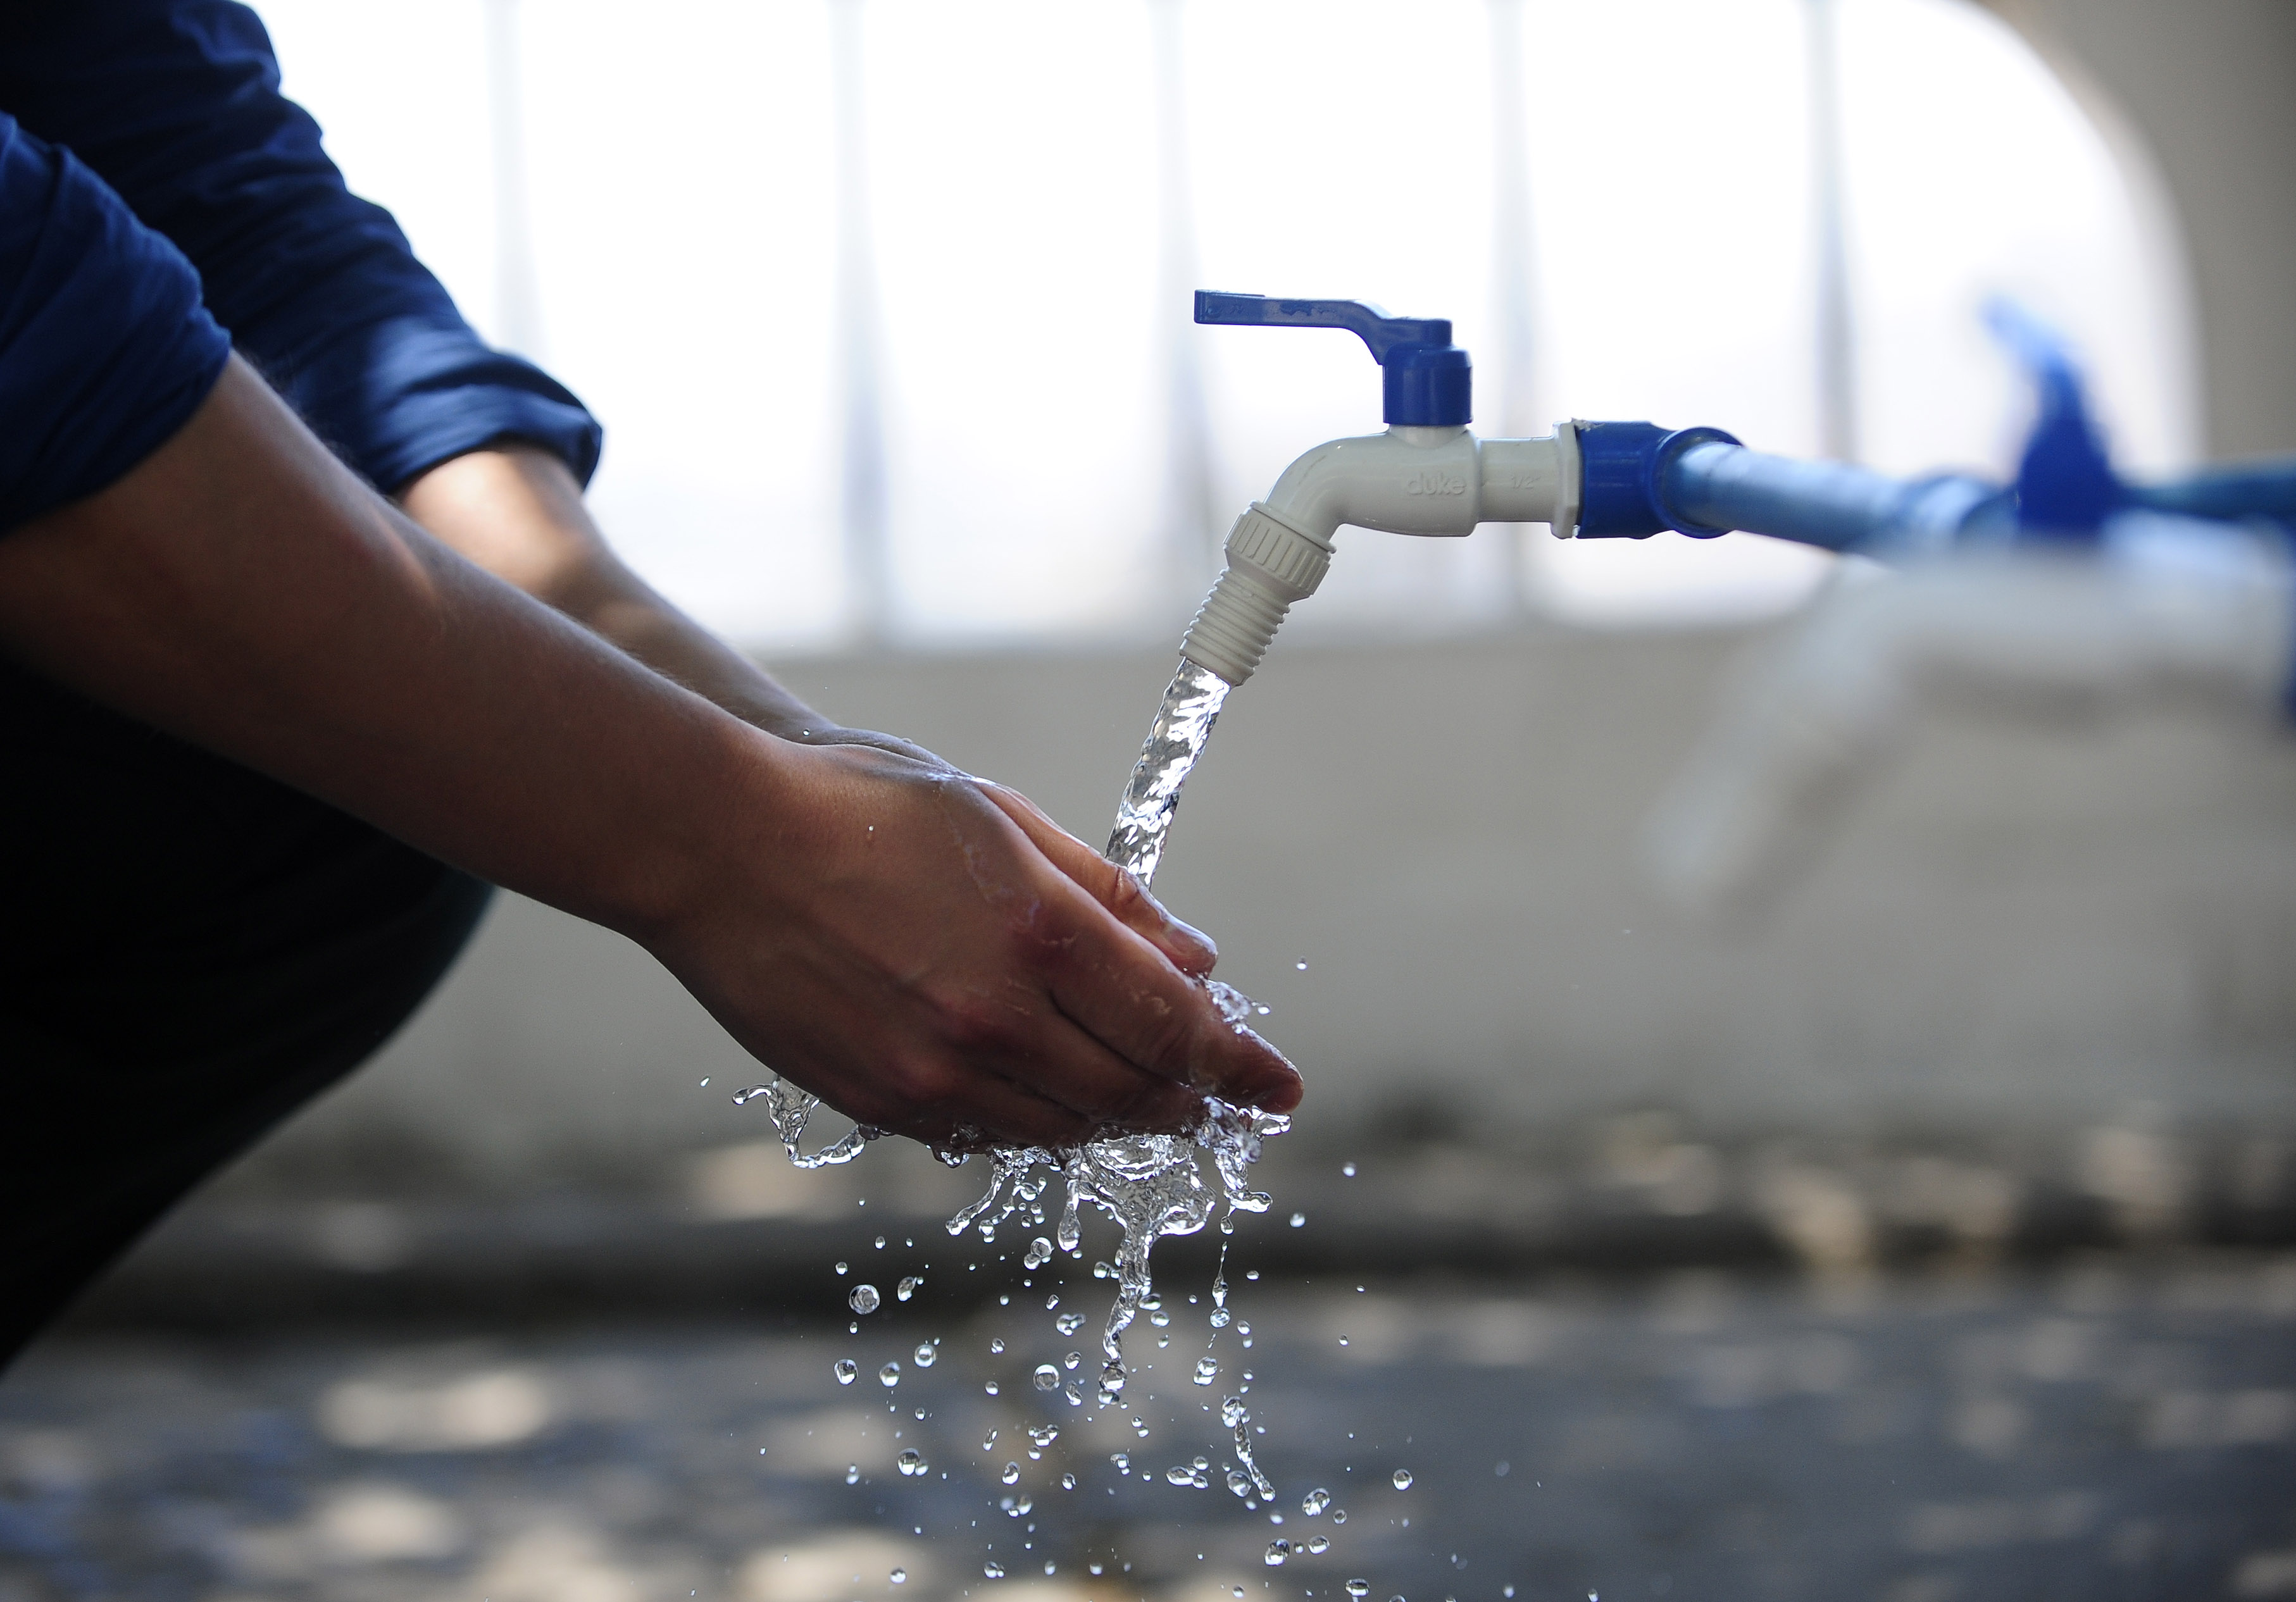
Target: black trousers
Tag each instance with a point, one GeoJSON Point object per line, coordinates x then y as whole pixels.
{"type": "Point", "coordinates": [188, 952]}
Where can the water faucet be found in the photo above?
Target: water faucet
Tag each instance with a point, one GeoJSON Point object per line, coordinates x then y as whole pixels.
{"type": "Point", "coordinates": [1426, 476]}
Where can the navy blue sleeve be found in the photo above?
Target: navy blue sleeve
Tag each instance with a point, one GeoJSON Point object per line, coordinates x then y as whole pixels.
{"type": "Point", "coordinates": [105, 349]}
{"type": "Point", "coordinates": [177, 104]}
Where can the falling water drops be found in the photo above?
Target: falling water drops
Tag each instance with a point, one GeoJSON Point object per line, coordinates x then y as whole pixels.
{"type": "Point", "coordinates": [993, 1569]}
{"type": "Point", "coordinates": [889, 1376]}
{"type": "Point", "coordinates": [1359, 1588]}
{"type": "Point", "coordinates": [1180, 1473]}
{"type": "Point", "coordinates": [910, 1463]}
{"type": "Point", "coordinates": [1048, 1377]}
{"type": "Point", "coordinates": [1068, 1481]}
{"type": "Point", "coordinates": [1207, 1370]}
{"type": "Point", "coordinates": [1339, 1515]}
{"type": "Point", "coordinates": [899, 1576]}
{"type": "Point", "coordinates": [845, 1369]}
{"type": "Point", "coordinates": [996, 1344]}
{"type": "Point", "coordinates": [864, 1299]}
{"type": "Point", "coordinates": [1278, 1551]}
{"type": "Point", "coordinates": [1317, 1545]}
{"type": "Point", "coordinates": [1239, 1482]}
{"type": "Point", "coordinates": [1299, 1220]}
{"type": "Point", "coordinates": [1402, 1478]}
{"type": "Point", "coordinates": [1012, 1474]}
{"type": "Point", "coordinates": [925, 1355]}
{"type": "Point", "coordinates": [1315, 1502]}
{"type": "Point", "coordinates": [907, 1288]}
{"type": "Point", "coordinates": [1069, 1323]}
{"type": "Point", "coordinates": [842, 1269]}
{"type": "Point", "coordinates": [1044, 1435]}
{"type": "Point", "coordinates": [853, 1474]}
{"type": "Point", "coordinates": [1039, 1253]}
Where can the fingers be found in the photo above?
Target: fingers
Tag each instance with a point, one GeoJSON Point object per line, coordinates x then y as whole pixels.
{"type": "Point", "coordinates": [1143, 1010]}
{"type": "Point", "coordinates": [1186, 948]}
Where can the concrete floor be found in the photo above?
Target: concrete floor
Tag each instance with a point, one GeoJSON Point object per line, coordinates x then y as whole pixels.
{"type": "Point", "coordinates": [2114, 1427]}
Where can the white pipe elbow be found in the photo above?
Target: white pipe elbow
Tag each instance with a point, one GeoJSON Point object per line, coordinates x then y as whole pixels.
{"type": "Point", "coordinates": [1432, 482]}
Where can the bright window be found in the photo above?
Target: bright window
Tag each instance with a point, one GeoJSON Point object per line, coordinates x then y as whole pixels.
{"type": "Point", "coordinates": [650, 200]}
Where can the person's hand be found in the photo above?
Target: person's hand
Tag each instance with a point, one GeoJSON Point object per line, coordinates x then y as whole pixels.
{"type": "Point", "coordinates": [931, 956]}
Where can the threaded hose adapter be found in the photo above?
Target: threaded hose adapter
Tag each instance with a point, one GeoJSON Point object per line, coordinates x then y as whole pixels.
{"type": "Point", "coordinates": [1270, 565]}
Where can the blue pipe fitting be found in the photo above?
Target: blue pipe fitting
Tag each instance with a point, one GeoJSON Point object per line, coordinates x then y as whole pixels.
{"type": "Point", "coordinates": [1622, 466]}
{"type": "Point", "coordinates": [1427, 381]}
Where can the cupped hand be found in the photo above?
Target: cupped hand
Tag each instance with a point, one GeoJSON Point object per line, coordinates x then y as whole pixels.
{"type": "Point", "coordinates": [931, 955]}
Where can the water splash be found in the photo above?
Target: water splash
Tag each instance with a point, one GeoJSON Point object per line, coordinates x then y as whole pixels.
{"type": "Point", "coordinates": [1150, 1185]}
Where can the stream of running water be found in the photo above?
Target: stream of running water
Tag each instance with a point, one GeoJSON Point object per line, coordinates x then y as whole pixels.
{"type": "Point", "coordinates": [1150, 1185]}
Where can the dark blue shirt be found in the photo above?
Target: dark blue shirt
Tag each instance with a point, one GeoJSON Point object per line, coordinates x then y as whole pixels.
{"type": "Point", "coordinates": [158, 196]}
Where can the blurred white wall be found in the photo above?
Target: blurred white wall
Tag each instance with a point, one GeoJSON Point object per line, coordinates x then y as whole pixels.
{"type": "Point", "coordinates": [2022, 933]}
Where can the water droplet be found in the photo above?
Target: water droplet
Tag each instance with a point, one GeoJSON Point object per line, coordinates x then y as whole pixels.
{"type": "Point", "coordinates": [993, 1569]}
{"type": "Point", "coordinates": [1302, 965]}
{"type": "Point", "coordinates": [996, 1344]}
{"type": "Point", "coordinates": [1317, 1545]}
{"type": "Point", "coordinates": [1012, 1474]}
{"type": "Point", "coordinates": [880, 1243]}
{"type": "Point", "coordinates": [1339, 1515]}
{"type": "Point", "coordinates": [1160, 1318]}
{"type": "Point", "coordinates": [1039, 1253]}
{"type": "Point", "coordinates": [907, 1288]}
{"type": "Point", "coordinates": [853, 1474]}
{"type": "Point", "coordinates": [840, 1268]}
{"type": "Point", "coordinates": [864, 1299]}
{"type": "Point", "coordinates": [1315, 1502]}
{"type": "Point", "coordinates": [1048, 1565]}
{"type": "Point", "coordinates": [899, 1576]}
{"type": "Point", "coordinates": [1233, 1412]}
{"type": "Point", "coordinates": [1180, 1473]}
{"type": "Point", "coordinates": [990, 1388]}
{"type": "Point", "coordinates": [889, 1376]}
{"type": "Point", "coordinates": [1069, 1323]}
{"type": "Point", "coordinates": [1236, 1482]}
{"type": "Point", "coordinates": [845, 1368]}
{"type": "Point", "coordinates": [1207, 1370]}
{"type": "Point", "coordinates": [1023, 1508]}
{"type": "Point", "coordinates": [1251, 1273]}
{"type": "Point", "coordinates": [1048, 1377]}
{"type": "Point", "coordinates": [1068, 1481]}
{"type": "Point", "coordinates": [1343, 1340]}
{"type": "Point", "coordinates": [705, 1081]}
{"type": "Point", "coordinates": [1219, 1318]}
{"type": "Point", "coordinates": [1052, 1301]}
{"type": "Point", "coordinates": [1359, 1588]}
{"type": "Point", "coordinates": [1299, 1220]}
{"type": "Point", "coordinates": [1402, 1478]}
{"type": "Point", "coordinates": [1237, 1590]}
{"type": "Point", "coordinates": [910, 1463]}
{"type": "Point", "coordinates": [925, 1355]}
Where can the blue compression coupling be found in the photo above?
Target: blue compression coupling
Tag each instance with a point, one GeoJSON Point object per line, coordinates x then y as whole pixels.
{"type": "Point", "coordinates": [1622, 468]}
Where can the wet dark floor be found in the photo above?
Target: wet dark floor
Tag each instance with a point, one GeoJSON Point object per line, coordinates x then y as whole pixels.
{"type": "Point", "coordinates": [2114, 1428]}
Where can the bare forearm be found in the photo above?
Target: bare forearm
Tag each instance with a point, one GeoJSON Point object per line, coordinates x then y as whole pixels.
{"type": "Point", "coordinates": [516, 511]}
{"type": "Point", "coordinates": [242, 590]}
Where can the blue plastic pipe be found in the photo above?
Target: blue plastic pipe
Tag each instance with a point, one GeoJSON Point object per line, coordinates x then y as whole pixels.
{"type": "Point", "coordinates": [1824, 503]}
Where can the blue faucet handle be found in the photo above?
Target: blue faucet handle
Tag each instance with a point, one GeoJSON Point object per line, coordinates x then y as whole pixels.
{"type": "Point", "coordinates": [1429, 381]}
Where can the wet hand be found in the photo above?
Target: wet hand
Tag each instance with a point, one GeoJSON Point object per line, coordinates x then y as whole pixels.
{"type": "Point", "coordinates": [931, 955]}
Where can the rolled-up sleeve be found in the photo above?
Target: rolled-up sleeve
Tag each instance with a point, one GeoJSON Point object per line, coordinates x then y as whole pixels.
{"type": "Point", "coordinates": [177, 103]}
{"type": "Point", "coordinates": [105, 349]}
